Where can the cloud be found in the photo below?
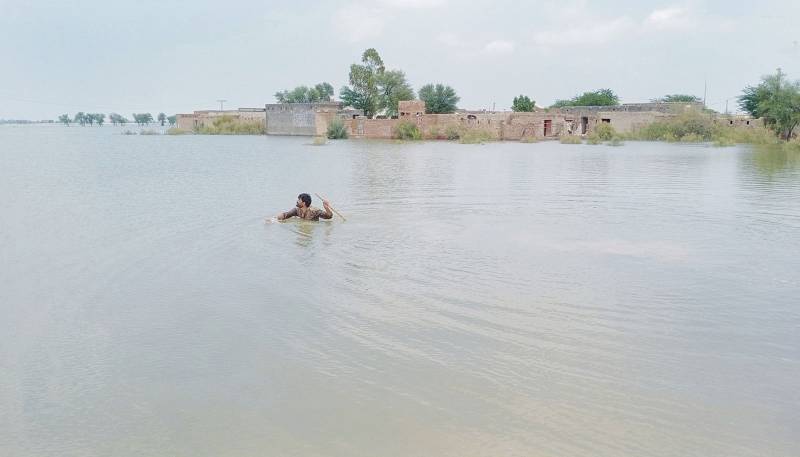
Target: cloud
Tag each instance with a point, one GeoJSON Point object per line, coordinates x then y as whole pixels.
{"type": "Point", "coordinates": [499, 47]}
{"type": "Point", "coordinates": [355, 23]}
{"type": "Point", "coordinates": [669, 18]}
{"type": "Point", "coordinates": [594, 34]}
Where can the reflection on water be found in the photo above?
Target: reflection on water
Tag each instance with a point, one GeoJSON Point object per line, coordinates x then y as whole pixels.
{"type": "Point", "coordinates": [504, 299]}
{"type": "Point", "coordinates": [771, 159]}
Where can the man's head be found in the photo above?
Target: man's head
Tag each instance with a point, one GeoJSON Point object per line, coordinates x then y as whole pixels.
{"type": "Point", "coordinates": [303, 201]}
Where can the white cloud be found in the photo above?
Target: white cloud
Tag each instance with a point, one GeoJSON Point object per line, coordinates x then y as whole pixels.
{"type": "Point", "coordinates": [594, 34]}
{"type": "Point", "coordinates": [669, 18]}
{"type": "Point", "coordinates": [355, 23]}
{"type": "Point", "coordinates": [499, 47]}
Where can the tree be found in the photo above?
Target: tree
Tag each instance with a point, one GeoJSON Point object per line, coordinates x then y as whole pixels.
{"type": "Point", "coordinates": [162, 118]}
{"type": "Point", "coordinates": [601, 97]}
{"type": "Point", "coordinates": [363, 90]}
{"type": "Point", "coordinates": [64, 119]}
{"type": "Point", "coordinates": [172, 120]}
{"type": "Point", "coordinates": [523, 104]}
{"type": "Point", "coordinates": [392, 89]}
{"type": "Point", "coordinates": [677, 98]}
{"type": "Point", "coordinates": [439, 99]}
{"type": "Point", "coordinates": [776, 100]}
{"type": "Point", "coordinates": [99, 118]}
{"type": "Point", "coordinates": [80, 118]}
{"type": "Point", "coordinates": [142, 118]}
{"type": "Point", "coordinates": [322, 92]}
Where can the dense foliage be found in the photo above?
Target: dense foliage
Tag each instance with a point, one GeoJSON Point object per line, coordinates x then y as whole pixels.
{"type": "Point", "coordinates": [439, 99]}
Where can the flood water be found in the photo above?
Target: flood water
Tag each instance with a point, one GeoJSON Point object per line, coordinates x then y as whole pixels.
{"type": "Point", "coordinates": [480, 300]}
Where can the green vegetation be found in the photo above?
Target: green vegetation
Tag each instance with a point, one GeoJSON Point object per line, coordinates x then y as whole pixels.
{"type": "Point", "coordinates": [363, 90]}
{"type": "Point", "coordinates": [374, 89]}
{"type": "Point", "coordinates": [116, 119]}
{"type": "Point", "coordinates": [601, 97]}
{"type": "Point", "coordinates": [523, 104]}
{"type": "Point", "coordinates": [392, 89]}
{"type": "Point", "coordinates": [529, 139]}
{"type": "Point", "coordinates": [570, 139]}
{"type": "Point", "coordinates": [149, 132]}
{"type": "Point", "coordinates": [475, 136]}
{"type": "Point", "coordinates": [172, 119]}
{"type": "Point", "coordinates": [162, 118]}
{"type": "Point", "coordinates": [452, 133]}
{"type": "Point", "coordinates": [337, 130]}
{"type": "Point", "coordinates": [439, 99]}
{"type": "Point", "coordinates": [777, 101]}
{"type": "Point", "coordinates": [407, 131]}
{"type": "Point", "coordinates": [699, 126]}
{"type": "Point", "coordinates": [319, 141]}
{"type": "Point", "coordinates": [142, 118]}
{"type": "Point", "coordinates": [677, 98]}
{"type": "Point", "coordinates": [322, 92]}
{"type": "Point", "coordinates": [177, 131]}
{"type": "Point", "coordinates": [604, 131]}
{"type": "Point", "coordinates": [229, 125]}
{"type": "Point", "coordinates": [64, 119]}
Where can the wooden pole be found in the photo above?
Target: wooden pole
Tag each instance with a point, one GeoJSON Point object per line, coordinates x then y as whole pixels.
{"type": "Point", "coordinates": [334, 209]}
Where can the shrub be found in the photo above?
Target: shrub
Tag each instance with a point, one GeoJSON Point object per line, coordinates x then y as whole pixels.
{"type": "Point", "coordinates": [475, 136]}
{"type": "Point", "coordinates": [604, 131]}
{"type": "Point", "coordinates": [337, 130]}
{"type": "Point", "coordinates": [570, 139]}
{"type": "Point", "coordinates": [593, 140]}
{"type": "Point", "coordinates": [406, 130]}
{"type": "Point", "coordinates": [452, 132]}
{"type": "Point", "coordinates": [177, 131]}
{"type": "Point", "coordinates": [149, 132]}
{"type": "Point", "coordinates": [319, 141]}
{"type": "Point", "coordinates": [529, 139]}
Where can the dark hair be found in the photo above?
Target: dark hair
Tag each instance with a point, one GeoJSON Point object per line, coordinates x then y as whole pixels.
{"type": "Point", "coordinates": [306, 199]}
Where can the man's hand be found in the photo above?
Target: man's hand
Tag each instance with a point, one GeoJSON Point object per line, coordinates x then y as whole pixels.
{"type": "Point", "coordinates": [327, 205]}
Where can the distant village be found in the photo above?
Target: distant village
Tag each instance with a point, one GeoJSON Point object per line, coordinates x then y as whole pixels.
{"type": "Point", "coordinates": [313, 119]}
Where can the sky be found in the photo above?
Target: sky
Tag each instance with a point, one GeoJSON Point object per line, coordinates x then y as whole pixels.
{"type": "Point", "coordinates": [179, 56]}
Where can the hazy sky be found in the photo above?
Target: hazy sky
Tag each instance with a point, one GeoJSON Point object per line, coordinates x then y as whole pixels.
{"type": "Point", "coordinates": [178, 56]}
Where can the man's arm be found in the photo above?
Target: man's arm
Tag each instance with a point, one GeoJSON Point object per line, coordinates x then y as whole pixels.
{"type": "Point", "coordinates": [291, 213]}
{"type": "Point", "coordinates": [328, 213]}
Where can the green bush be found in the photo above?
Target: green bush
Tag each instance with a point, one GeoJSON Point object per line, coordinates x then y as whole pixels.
{"type": "Point", "coordinates": [529, 139]}
{"type": "Point", "coordinates": [177, 131]}
{"type": "Point", "coordinates": [337, 130]}
{"type": "Point", "coordinates": [570, 139]}
{"type": "Point", "coordinates": [406, 130]}
{"type": "Point", "coordinates": [692, 138]}
{"type": "Point", "coordinates": [593, 140]}
{"type": "Point", "coordinates": [149, 132]}
{"type": "Point", "coordinates": [452, 132]}
{"type": "Point", "coordinates": [475, 136]}
{"type": "Point", "coordinates": [603, 131]}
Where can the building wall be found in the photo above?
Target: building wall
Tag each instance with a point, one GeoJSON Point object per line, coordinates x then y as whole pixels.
{"type": "Point", "coordinates": [204, 118]}
{"type": "Point", "coordinates": [295, 118]}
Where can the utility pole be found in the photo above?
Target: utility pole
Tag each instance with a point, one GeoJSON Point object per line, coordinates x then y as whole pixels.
{"type": "Point", "coordinates": [221, 101]}
{"type": "Point", "coordinates": [705, 91]}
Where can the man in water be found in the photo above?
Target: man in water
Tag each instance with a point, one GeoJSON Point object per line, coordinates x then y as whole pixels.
{"type": "Point", "coordinates": [304, 210]}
